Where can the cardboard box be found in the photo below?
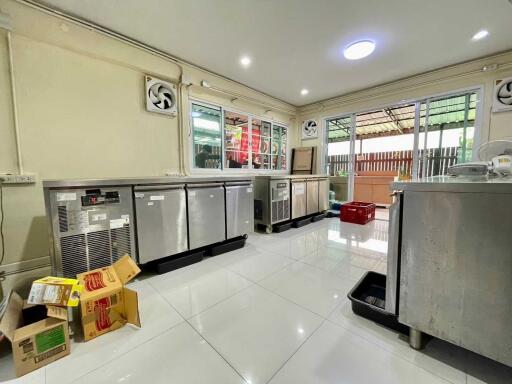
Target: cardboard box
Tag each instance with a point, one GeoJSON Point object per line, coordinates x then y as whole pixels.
{"type": "Point", "coordinates": [38, 344]}
{"type": "Point", "coordinates": [55, 291]}
{"type": "Point", "coordinates": [105, 303]}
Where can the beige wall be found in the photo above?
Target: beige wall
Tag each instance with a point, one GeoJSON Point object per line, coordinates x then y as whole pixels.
{"type": "Point", "coordinates": [458, 77]}
{"type": "Point", "coordinates": [81, 110]}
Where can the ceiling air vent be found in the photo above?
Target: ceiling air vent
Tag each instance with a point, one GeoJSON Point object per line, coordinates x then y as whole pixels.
{"type": "Point", "coordinates": [161, 96]}
{"type": "Point", "coordinates": [502, 100]}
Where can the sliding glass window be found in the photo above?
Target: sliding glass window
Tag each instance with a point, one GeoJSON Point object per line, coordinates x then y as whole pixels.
{"type": "Point", "coordinates": [207, 136]}
{"type": "Point", "coordinates": [225, 139]}
{"type": "Point", "coordinates": [279, 147]}
{"type": "Point", "coordinates": [261, 142]}
{"type": "Point", "coordinates": [236, 140]}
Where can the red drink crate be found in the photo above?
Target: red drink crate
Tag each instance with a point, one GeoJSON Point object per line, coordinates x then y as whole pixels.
{"type": "Point", "coordinates": [357, 212]}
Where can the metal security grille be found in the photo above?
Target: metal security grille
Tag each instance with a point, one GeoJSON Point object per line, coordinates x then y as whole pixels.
{"type": "Point", "coordinates": [74, 255]}
{"type": "Point", "coordinates": [121, 242]}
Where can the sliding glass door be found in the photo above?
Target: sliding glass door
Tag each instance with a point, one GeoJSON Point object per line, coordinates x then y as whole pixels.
{"type": "Point", "coordinates": [369, 150]}
{"type": "Point", "coordinates": [447, 133]}
{"type": "Point", "coordinates": [339, 157]}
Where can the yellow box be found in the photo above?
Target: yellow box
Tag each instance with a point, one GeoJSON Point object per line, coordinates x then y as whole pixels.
{"type": "Point", "coordinates": [55, 291]}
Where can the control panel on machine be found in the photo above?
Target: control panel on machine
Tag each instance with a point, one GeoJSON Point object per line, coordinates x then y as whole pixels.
{"type": "Point", "coordinates": [94, 197]}
{"type": "Point", "coordinates": [280, 192]}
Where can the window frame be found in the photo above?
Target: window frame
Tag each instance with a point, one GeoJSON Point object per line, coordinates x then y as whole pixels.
{"type": "Point", "coordinates": [223, 170]}
{"type": "Point", "coordinates": [191, 136]}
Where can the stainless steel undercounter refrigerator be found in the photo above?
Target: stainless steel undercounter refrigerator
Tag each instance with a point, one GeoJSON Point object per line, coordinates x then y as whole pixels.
{"type": "Point", "coordinates": [166, 221]}
{"type": "Point", "coordinates": [449, 271]}
{"type": "Point", "coordinates": [284, 200]}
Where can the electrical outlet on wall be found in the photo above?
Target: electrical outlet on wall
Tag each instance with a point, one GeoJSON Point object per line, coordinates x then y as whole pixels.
{"type": "Point", "coordinates": [26, 178]}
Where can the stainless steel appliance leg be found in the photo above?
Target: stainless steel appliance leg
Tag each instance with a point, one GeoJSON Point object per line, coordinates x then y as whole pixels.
{"type": "Point", "coordinates": [415, 338]}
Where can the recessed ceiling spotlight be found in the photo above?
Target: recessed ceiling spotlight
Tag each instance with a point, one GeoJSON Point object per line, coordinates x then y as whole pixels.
{"type": "Point", "coordinates": [245, 61]}
{"type": "Point", "coordinates": [304, 92]}
{"type": "Point", "coordinates": [359, 49]}
{"type": "Point", "coordinates": [481, 34]}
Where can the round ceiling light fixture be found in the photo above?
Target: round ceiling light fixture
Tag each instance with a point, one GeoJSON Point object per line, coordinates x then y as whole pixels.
{"type": "Point", "coordinates": [245, 61]}
{"type": "Point", "coordinates": [481, 34]}
{"type": "Point", "coordinates": [359, 50]}
{"type": "Point", "coordinates": [304, 92]}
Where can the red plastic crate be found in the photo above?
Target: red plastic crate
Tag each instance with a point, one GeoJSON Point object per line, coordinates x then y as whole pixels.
{"type": "Point", "coordinates": [357, 212]}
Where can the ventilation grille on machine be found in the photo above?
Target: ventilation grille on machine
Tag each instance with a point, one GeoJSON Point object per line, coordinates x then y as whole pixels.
{"type": "Point", "coordinates": [73, 255]}
{"type": "Point", "coordinates": [84, 252]}
{"type": "Point", "coordinates": [63, 218]}
{"type": "Point", "coordinates": [280, 210]}
{"type": "Point", "coordinates": [121, 242]}
{"type": "Point", "coordinates": [286, 209]}
{"type": "Point", "coordinates": [98, 246]}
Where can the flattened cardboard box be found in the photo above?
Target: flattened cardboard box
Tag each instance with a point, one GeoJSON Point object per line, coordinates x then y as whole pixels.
{"type": "Point", "coordinates": [38, 344]}
{"type": "Point", "coordinates": [105, 303]}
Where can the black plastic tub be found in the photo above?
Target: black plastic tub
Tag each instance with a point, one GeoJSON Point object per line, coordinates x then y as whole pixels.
{"type": "Point", "coordinates": [227, 246]}
{"type": "Point", "coordinates": [281, 227]}
{"type": "Point", "coordinates": [368, 299]}
{"type": "Point", "coordinates": [170, 264]}
{"type": "Point", "coordinates": [318, 217]}
{"type": "Point", "coordinates": [301, 222]}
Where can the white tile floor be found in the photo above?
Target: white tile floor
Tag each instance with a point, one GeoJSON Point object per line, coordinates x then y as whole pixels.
{"type": "Point", "coordinates": [273, 312]}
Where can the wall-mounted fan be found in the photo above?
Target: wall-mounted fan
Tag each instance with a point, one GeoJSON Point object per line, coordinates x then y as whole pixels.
{"type": "Point", "coordinates": [309, 129]}
{"type": "Point", "coordinates": [161, 96]}
{"type": "Point", "coordinates": [502, 98]}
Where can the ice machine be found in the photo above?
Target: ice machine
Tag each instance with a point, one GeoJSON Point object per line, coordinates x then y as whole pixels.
{"type": "Point", "coordinates": [91, 227]}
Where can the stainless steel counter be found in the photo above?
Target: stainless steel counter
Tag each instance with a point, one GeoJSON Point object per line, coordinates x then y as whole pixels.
{"type": "Point", "coordinates": [468, 184]}
{"type": "Point", "coordinates": [453, 261]}
{"type": "Point", "coordinates": [78, 183]}
{"type": "Point", "coordinates": [93, 222]}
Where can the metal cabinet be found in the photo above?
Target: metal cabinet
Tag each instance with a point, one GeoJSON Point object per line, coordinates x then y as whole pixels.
{"type": "Point", "coordinates": [323, 195]}
{"type": "Point", "coordinates": [161, 213]}
{"type": "Point", "coordinates": [298, 198]}
{"type": "Point", "coordinates": [206, 215]}
{"type": "Point", "coordinates": [239, 209]}
{"type": "Point", "coordinates": [312, 197]}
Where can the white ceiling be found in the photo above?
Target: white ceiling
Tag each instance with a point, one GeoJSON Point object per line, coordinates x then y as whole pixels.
{"type": "Point", "coordinates": [297, 44]}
